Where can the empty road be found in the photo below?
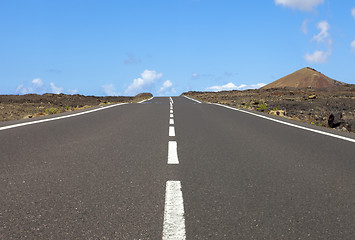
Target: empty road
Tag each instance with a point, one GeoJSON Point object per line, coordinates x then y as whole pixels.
{"type": "Point", "coordinates": [174, 168]}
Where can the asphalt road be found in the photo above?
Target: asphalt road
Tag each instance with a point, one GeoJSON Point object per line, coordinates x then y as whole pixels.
{"type": "Point", "coordinates": [105, 174]}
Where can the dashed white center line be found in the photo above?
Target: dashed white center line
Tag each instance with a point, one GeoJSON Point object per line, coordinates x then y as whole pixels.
{"type": "Point", "coordinates": [171, 100]}
{"type": "Point", "coordinates": [171, 121]}
{"type": "Point", "coordinates": [171, 111]}
{"type": "Point", "coordinates": [171, 115]}
{"type": "Point", "coordinates": [171, 131]}
{"type": "Point", "coordinates": [172, 153]}
{"type": "Point", "coordinates": [174, 220]}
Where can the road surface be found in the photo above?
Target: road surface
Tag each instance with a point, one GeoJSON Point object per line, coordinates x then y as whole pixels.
{"type": "Point", "coordinates": [174, 168]}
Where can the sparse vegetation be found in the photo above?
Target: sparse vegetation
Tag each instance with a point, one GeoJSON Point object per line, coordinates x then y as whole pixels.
{"type": "Point", "coordinates": [262, 107]}
{"type": "Point", "coordinates": [53, 110]}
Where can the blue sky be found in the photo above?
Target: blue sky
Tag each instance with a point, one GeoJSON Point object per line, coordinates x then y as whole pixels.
{"type": "Point", "coordinates": [123, 47]}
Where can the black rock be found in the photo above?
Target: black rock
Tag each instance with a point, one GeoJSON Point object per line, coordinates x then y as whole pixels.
{"type": "Point", "coordinates": [335, 120]}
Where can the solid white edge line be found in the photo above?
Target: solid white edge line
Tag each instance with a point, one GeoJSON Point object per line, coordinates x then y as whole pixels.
{"type": "Point", "coordinates": [171, 131]}
{"type": "Point", "coordinates": [172, 153]}
{"type": "Point", "coordinates": [145, 100]}
{"type": "Point", "coordinates": [174, 219]}
{"type": "Point", "coordinates": [61, 117]}
{"type": "Point", "coordinates": [171, 115]}
{"type": "Point", "coordinates": [192, 99]}
{"type": "Point", "coordinates": [289, 124]}
{"type": "Point", "coordinates": [171, 121]}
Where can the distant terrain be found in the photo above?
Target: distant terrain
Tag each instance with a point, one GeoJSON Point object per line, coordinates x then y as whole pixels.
{"type": "Point", "coordinates": [13, 107]}
{"type": "Point", "coordinates": [304, 78]}
{"type": "Point", "coordinates": [305, 95]}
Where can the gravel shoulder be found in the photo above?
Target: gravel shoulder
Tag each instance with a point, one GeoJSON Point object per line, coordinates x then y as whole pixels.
{"type": "Point", "coordinates": [15, 107]}
{"type": "Point", "coordinates": [328, 107]}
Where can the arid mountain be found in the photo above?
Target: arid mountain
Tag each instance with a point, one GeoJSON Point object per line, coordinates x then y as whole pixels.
{"type": "Point", "coordinates": [304, 78]}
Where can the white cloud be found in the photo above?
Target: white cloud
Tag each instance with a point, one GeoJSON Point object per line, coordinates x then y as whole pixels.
{"type": "Point", "coordinates": [195, 75]}
{"type": "Point", "coordinates": [231, 86]}
{"type": "Point", "coordinates": [167, 86]}
{"type": "Point", "coordinates": [151, 75]}
{"type": "Point", "coordinates": [353, 12]}
{"type": "Point", "coordinates": [37, 82]}
{"type": "Point", "coordinates": [38, 86]}
{"type": "Point", "coordinates": [317, 57]}
{"type": "Point", "coordinates": [35, 87]}
{"type": "Point", "coordinates": [56, 89]}
{"type": "Point", "coordinates": [73, 91]}
{"type": "Point", "coordinates": [109, 90]}
{"type": "Point", "coordinates": [352, 44]}
{"type": "Point", "coordinates": [228, 86]}
{"type": "Point", "coordinates": [254, 86]}
{"type": "Point", "coordinates": [323, 36]}
{"type": "Point", "coordinates": [304, 5]}
{"type": "Point", "coordinates": [21, 89]}
{"type": "Point", "coordinates": [323, 26]}
{"type": "Point", "coordinates": [144, 83]}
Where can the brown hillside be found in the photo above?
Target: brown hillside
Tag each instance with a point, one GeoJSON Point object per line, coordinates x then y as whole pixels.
{"type": "Point", "coordinates": [304, 78]}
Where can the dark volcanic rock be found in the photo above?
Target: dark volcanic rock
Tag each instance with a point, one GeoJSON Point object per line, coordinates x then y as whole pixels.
{"type": "Point", "coordinates": [335, 120]}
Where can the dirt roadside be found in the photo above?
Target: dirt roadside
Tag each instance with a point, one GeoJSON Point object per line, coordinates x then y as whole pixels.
{"type": "Point", "coordinates": [14, 107]}
{"type": "Point", "coordinates": [328, 107]}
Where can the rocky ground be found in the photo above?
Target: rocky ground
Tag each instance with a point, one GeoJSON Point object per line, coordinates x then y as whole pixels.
{"type": "Point", "coordinates": [332, 107]}
{"type": "Point", "coordinates": [13, 107]}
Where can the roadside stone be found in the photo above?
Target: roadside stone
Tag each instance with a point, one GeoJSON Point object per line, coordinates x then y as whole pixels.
{"type": "Point", "coordinates": [313, 96]}
{"type": "Point", "coordinates": [278, 112]}
{"type": "Point", "coordinates": [335, 120]}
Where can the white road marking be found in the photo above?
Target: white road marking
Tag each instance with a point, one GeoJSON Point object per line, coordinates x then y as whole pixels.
{"type": "Point", "coordinates": [174, 220]}
{"type": "Point", "coordinates": [171, 121]}
{"type": "Point", "coordinates": [171, 100]}
{"type": "Point", "coordinates": [146, 100]}
{"type": "Point", "coordinates": [171, 111]}
{"type": "Point", "coordinates": [171, 131]}
{"type": "Point", "coordinates": [172, 153]}
{"type": "Point", "coordinates": [192, 99]}
{"type": "Point", "coordinates": [171, 115]}
{"type": "Point", "coordinates": [61, 117]}
{"type": "Point", "coordinates": [289, 124]}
